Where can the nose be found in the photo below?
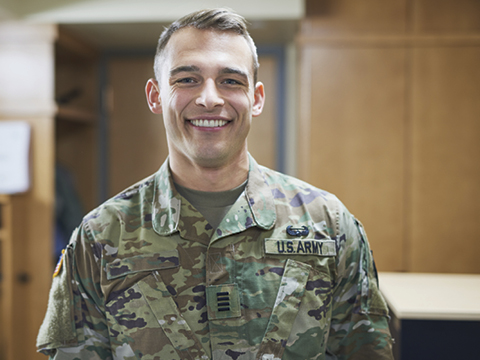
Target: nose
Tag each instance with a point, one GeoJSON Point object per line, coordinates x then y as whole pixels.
{"type": "Point", "coordinates": [209, 96]}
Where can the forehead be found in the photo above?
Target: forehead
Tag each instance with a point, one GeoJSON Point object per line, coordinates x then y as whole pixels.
{"type": "Point", "coordinates": [209, 48]}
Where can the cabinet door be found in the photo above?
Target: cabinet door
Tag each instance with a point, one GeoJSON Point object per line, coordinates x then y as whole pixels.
{"type": "Point", "coordinates": [352, 137]}
{"type": "Point", "coordinates": [446, 151]}
{"type": "Point", "coordinates": [262, 139]}
{"type": "Point", "coordinates": [137, 141]}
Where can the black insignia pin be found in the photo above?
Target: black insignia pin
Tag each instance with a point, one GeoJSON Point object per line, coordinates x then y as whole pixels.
{"type": "Point", "coordinates": [297, 232]}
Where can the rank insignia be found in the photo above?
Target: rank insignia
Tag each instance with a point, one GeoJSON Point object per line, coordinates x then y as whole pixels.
{"type": "Point", "coordinates": [58, 268]}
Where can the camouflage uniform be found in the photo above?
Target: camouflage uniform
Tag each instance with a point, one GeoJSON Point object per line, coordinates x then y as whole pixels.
{"type": "Point", "coordinates": [288, 274]}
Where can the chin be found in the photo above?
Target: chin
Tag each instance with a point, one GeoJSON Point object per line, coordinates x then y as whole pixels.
{"type": "Point", "coordinates": [211, 159]}
{"type": "Point", "coordinates": [210, 162]}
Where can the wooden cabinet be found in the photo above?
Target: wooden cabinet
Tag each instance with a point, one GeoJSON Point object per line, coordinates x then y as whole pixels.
{"type": "Point", "coordinates": [77, 116]}
{"type": "Point", "coordinates": [425, 323]}
{"type": "Point", "coordinates": [389, 123]}
{"type": "Point", "coordinates": [26, 75]}
{"type": "Point", "coordinates": [5, 266]}
{"type": "Point", "coordinates": [37, 66]}
{"type": "Point", "coordinates": [445, 153]}
{"type": "Point", "coordinates": [352, 141]}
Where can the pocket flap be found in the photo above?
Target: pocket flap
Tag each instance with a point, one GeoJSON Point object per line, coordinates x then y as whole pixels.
{"type": "Point", "coordinates": [139, 263]}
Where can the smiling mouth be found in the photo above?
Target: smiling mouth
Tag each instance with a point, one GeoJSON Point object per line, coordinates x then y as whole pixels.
{"type": "Point", "coordinates": [208, 123]}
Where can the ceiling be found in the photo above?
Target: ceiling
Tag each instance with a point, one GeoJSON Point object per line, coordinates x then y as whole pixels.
{"type": "Point", "coordinates": [119, 24]}
{"type": "Point", "coordinates": [145, 35]}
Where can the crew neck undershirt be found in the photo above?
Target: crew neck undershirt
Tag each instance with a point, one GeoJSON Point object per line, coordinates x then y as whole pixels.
{"type": "Point", "coordinates": [213, 205]}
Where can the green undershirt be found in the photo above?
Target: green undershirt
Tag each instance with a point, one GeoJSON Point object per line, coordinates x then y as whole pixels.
{"type": "Point", "coordinates": [213, 205]}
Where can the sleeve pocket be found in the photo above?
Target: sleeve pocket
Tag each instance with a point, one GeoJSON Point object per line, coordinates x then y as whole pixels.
{"type": "Point", "coordinates": [58, 327]}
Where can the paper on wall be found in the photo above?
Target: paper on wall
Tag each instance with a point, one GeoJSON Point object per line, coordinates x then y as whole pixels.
{"type": "Point", "coordinates": [14, 159]}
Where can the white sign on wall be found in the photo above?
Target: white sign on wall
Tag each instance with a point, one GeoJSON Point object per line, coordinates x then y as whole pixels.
{"type": "Point", "coordinates": [14, 159]}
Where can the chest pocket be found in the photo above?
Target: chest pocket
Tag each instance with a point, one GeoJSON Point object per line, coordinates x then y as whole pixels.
{"type": "Point", "coordinates": [285, 310]}
{"type": "Point", "coordinates": [144, 319]}
{"type": "Point", "coordinates": [299, 323]}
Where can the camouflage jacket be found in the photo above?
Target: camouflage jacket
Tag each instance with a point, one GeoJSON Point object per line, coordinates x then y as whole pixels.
{"type": "Point", "coordinates": [288, 274]}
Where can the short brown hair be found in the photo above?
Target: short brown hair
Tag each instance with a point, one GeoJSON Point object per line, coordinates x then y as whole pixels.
{"type": "Point", "coordinates": [210, 19]}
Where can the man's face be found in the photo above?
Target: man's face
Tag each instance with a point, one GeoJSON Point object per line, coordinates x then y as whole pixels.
{"type": "Point", "coordinates": [206, 95]}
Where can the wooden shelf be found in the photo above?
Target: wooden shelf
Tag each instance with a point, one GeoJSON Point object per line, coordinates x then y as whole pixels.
{"type": "Point", "coordinates": [72, 48]}
{"type": "Point", "coordinates": [76, 115]}
{"type": "Point", "coordinates": [76, 70]}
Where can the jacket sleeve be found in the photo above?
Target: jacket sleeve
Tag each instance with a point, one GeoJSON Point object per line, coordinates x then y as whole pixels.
{"type": "Point", "coordinates": [75, 325]}
{"type": "Point", "coordinates": [359, 326]}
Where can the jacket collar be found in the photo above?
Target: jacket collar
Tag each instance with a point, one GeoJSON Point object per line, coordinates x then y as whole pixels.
{"type": "Point", "coordinates": [167, 202]}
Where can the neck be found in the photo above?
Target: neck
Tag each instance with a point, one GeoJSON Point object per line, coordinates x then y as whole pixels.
{"type": "Point", "coordinates": [205, 178]}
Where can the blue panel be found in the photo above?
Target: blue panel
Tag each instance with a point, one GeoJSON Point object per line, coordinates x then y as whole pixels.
{"type": "Point", "coordinates": [439, 340]}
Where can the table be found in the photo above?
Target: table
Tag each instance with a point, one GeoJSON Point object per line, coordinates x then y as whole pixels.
{"type": "Point", "coordinates": [434, 316]}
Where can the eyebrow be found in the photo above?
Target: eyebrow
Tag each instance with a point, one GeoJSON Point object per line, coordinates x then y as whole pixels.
{"type": "Point", "coordinates": [184, 68]}
{"type": "Point", "coordinates": [230, 70]}
{"type": "Point", "coordinates": [193, 68]}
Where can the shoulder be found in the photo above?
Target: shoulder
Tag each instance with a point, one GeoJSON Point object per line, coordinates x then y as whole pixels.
{"type": "Point", "coordinates": [126, 200]}
{"type": "Point", "coordinates": [297, 199]}
{"type": "Point", "coordinates": [121, 208]}
{"type": "Point", "coordinates": [298, 193]}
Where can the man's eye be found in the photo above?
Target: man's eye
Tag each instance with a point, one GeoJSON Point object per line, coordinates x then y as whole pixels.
{"type": "Point", "coordinates": [232, 82]}
{"type": "Point", "coordinates": [186, 81]}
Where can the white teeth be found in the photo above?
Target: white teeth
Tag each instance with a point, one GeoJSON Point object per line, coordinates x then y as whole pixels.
{"type": "Point", "coordinates": [208, 123]}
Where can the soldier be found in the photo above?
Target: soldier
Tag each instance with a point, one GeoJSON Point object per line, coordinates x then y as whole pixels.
{"type": "Point", "coordinates": [215, 256]}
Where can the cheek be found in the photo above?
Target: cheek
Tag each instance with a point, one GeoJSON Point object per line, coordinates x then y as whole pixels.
{"type": "Point", "coordinates": [242, 104]}
{"type": "Point", "coordinates": [180, 100]}
{"type": "Point", "coordinates": [172, 99]}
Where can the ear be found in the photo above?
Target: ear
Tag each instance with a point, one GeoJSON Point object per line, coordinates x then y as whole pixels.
{"type": "Point", "coordinates": [152, 91]}
{"type": "Point", "coordinates": [259, 99]}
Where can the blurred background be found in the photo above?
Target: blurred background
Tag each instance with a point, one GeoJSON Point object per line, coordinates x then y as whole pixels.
{"type": "Point", "coordinates": [375, 101]}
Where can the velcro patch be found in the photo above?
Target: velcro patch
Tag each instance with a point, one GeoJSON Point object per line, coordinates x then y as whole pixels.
{"type": "Point", "coordinates": [300, 247]}
{"type": "Point", "coordinates": [223, 301]}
